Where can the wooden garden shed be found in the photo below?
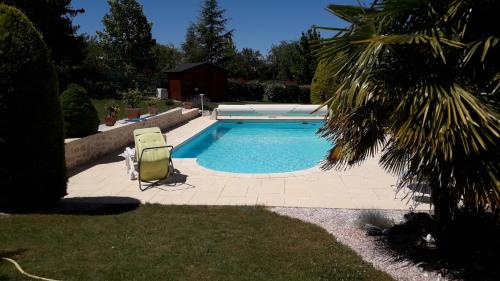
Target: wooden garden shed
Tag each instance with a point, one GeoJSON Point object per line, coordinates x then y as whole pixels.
{"type": "Point", "coordinates": [188, 80]}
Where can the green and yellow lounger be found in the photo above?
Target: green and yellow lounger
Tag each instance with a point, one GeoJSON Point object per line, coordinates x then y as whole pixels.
{"type": "Point", "coordinates": [153, 155]}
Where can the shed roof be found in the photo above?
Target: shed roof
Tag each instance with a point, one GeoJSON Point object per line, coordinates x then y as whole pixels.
{"type": "Point", "coordinates": [187, 66]}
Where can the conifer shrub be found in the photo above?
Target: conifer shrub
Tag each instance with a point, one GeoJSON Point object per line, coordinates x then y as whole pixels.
{"type": "Point", "coordinates": [80, 116]}
{"type": "Point", "coordinates": [33, 169]}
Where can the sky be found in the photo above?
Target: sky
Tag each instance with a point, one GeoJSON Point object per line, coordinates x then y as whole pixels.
{"type": "Point", "coordinates": [257, 23]}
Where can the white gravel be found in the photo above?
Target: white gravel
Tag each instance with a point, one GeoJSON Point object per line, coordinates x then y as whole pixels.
{"type": "Point", "coordinates": [341, 224]}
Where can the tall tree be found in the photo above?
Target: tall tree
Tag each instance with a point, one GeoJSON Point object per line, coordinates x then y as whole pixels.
{"type": "Point", "coordinates": [168, 56]}
{"type": "Point", "coordinates": [418, 81]}
{"type": "Point", "coordinates": [247, 63]}
{"type": "Point", "coordinates": [127, 41]}
{"type": "Point", "coordinates": [191, 46]}
{"type": "Point", "coordinates": [53, 18]}
{"type": "Point", "coordinates": [285, 60]}
{"type": "Point", "coordinates": [308, 61]}
{"type": "Point", "coordinates": [209, 39]}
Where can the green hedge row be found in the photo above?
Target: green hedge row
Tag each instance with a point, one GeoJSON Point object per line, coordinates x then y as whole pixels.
{"type": "Point", "coordinates": [268, 91]}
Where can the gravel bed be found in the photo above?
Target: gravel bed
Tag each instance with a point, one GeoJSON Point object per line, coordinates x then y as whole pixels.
{"type": "Point", "coordinates": [341, 224]}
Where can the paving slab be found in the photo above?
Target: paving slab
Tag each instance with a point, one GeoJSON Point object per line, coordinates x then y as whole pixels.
{"type": "Point", "coordinates": [365, 187]}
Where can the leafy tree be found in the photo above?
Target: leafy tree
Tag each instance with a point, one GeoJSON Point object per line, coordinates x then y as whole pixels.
{"type": "Point", "coordinates": [53, 18]}
{"type": "Point", "coordinates": [32, 173]}
{"type": "Point", "coordinates": [168, 57]}
{"type": "Point", "coordinates": [208, 39]}
{"type": "Point", "coordinates": [127, 41]}
{"type": "Point", "coordinates": [99, 78]}
{"type": "Point", "coordinates": [285, 61]}
{"type": "Point", "coordinates": [247, 63]}
{"type": "Point", "coordinates": [418, 81]}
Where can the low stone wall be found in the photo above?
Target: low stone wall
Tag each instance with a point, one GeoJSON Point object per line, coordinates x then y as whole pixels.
{"type": "Point", "coordinates": [83, 150]}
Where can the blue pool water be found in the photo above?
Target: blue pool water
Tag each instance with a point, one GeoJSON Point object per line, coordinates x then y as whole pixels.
{"type": "Point", "coordinates": [257, 146]}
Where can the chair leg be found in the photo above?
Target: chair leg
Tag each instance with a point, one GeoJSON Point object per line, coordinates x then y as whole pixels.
{"type": "Point", "coordinates": [171, 170]}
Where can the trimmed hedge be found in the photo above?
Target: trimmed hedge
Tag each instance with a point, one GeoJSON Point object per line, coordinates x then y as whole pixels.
{"type": "Point", "coordinates": [273, 91]}
{"type": "Point", "coordinates": [80, 116]}
{"type": "Point", "coordinates": [255, 91]}
{"type": "Point", "coordinates": [323, 83]}
{"type": "Point", "coordinates": [32, 169]}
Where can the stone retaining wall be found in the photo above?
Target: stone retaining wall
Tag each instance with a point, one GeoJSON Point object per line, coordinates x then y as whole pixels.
{"type": "Point", "coordinates": [83, 150]}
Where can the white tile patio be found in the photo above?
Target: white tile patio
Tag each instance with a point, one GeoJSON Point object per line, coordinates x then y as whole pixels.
{"type": "Point", "coordinates": [363, 187]}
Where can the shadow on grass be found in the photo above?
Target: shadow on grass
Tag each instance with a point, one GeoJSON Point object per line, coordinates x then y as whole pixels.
{"type": "Point", "coordinates": [11, 254]}
{"type": "Point", "coordinates": [470, 249]}
{"type": "Point", "coordinates": [93, 206]}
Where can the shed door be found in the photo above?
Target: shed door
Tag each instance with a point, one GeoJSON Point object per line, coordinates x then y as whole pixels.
{"type": "Point", "coordinates": [175, 90]}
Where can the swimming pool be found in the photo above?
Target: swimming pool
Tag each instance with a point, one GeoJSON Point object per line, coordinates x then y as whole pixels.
{"type": "Point", "coordinates": [257, 146]}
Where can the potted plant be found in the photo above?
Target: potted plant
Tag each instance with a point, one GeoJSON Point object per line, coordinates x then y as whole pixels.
{"type": "Point", "coordinates": [131, 99]}
{"type": "Point", "coordinates": [153, 106]}
{"type": "Point", "coordinates": [112, 111]}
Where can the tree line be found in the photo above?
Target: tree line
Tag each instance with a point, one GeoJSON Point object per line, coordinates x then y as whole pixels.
{"type": "Point", "coordinates": [125, 55]}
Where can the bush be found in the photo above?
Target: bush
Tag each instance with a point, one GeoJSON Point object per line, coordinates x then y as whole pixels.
{"type": "Point", "coordinates": [323, 83]}
{"type": "Point", "coordinates": [236, 90]}
{"type": "Point", "coordinates": [304, 94]}
{"type": "Point", "coordinates": [245, 91]}
{"type": "Point", "coordinates": [275, 92]}
{"type": "Point", "coordinates": [255, 91]}
{"type": "Point", "coordinates": [292, 93]}
{"type": "Point", "coordinates": [32, 170]}
{"type": "Point", "coordinates": [112, 109]}
{"type": "Point", "coordinates": [375, 218]}
{"type": "Point", "coordinates": [132, 98]}
{"type": "Point", "coordinates": [80, 116]}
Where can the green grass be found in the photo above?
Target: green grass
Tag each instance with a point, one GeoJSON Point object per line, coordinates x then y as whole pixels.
{"type": "Point", "coordinates": [177, 243]}
{"type": "Point", "coordinates": [100, 104]}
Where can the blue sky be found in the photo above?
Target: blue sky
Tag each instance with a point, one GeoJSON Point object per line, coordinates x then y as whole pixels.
{"type": "Point", "coordinates": [258, 23]}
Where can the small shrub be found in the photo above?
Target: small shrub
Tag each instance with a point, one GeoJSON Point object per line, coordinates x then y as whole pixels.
{"type": "Point", "coordinates": [80, 116]}
{"type": "Point", "coordinates": [153, 102]}
{"type": "Point", "coordinates": [112, 109]}
{"type": "Point", "coordinates": [132, 98]}
{"type": "Point", "coordinates": [304, 94]}
{"type": "Point", "coordinates": [33, 167]}
{"type": "Point", "coordinates": [292, 93]}
{"type": "Point", "coordinates": [236, 90]}
{"type": "Point", "coordinates": [255, 91]}
{"type": "Point", "coordinates": [275, 92]}
{"type": "Point", "coordinates": [373, 217]}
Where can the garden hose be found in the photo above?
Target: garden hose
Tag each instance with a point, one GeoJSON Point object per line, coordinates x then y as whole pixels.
{"type": "Point", "coordinates": [18, 267]}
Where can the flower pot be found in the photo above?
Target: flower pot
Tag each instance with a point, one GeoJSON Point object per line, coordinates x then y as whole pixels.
{"type": "Point", "coordinates": [133, 113]}
{"type": "Point", "coordinates": [109, 121]}
{"type": "Point", "coordinates": [187, 105]}
{"type": "Point", "coordinates": [153, 110]}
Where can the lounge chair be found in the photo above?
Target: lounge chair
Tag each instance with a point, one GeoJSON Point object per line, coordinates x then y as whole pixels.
{"type": "Point", "coordinates": [152, 156]}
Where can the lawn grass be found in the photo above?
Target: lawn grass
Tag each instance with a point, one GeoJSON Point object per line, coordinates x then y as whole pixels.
{"type": "Point", "coordinates": [177, 243]}
{"type": "Point", "coordinates": [100, 104]}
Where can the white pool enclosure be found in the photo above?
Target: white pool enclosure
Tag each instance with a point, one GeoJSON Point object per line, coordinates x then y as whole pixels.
{"type": "Point", "coordinates": [271, 110]}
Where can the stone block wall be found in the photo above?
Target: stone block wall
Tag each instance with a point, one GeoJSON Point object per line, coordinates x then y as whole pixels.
{"type": "Point", "coordinates": [80, 151]}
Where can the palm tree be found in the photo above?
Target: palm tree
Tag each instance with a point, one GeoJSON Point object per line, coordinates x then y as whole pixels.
{"type": "Point", "coordinates": [418, 81]}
